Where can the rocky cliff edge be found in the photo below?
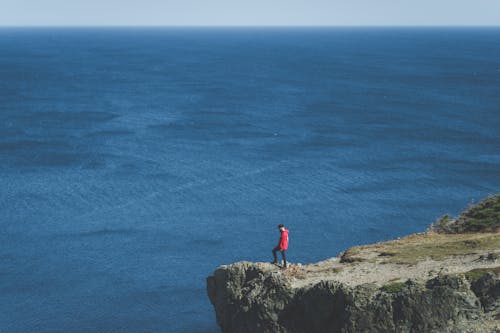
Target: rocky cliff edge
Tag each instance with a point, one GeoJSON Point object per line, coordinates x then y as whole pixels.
{"type": "Point", "coordinates": [430, 282]}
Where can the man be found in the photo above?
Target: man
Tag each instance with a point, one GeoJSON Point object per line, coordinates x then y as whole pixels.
{"type": "Point", "coordinates": [282, 245]}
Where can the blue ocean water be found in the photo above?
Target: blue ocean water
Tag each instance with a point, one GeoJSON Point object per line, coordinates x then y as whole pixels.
{"type": "Point", "coordinates": [133, 162]}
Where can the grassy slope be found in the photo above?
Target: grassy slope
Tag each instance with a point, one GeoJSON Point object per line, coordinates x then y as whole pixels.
{"type": "Point", "coordinates": [483, 217]}
{"type": "Point", "coordinates": [473, 231]}
{"type": "Point", "coordinates": [419, 247]}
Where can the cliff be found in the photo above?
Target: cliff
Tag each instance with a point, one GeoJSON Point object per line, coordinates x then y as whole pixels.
{"type": "Point", "coordinates": [431, 282]}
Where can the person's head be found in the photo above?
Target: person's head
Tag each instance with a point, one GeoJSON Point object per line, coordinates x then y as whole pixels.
{"type": "Point", "coordinates": [281, 227]}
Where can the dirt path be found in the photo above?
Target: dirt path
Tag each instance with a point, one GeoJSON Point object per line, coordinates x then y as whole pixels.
{"type": "Point", "coordinates": [421, 256]}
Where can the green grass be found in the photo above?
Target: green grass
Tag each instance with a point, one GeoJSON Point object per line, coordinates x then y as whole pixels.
{"type": "Point", "coordinates": [393, 288]}
{"type": "Point", "coordinates": [439, 248]}
{"type": "Point", "coordinates": [475, 231]}
{"type": "Point", "coordinates": [476, 274]}
{"type": "Point", "coordinates": [483, 217]}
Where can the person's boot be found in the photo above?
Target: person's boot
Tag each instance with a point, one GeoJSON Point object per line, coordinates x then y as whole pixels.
{"type": "Point", "coordinates": [275, 261]}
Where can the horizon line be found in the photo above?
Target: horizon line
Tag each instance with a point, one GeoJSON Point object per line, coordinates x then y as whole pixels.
{"type": "Point", "coordinates": [248, 26]}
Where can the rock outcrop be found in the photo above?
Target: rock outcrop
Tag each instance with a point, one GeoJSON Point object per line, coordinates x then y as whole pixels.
{"type": "Point", "coordinates": [446, 280]}
{"type": "Point", "coordinates": [258, 297]}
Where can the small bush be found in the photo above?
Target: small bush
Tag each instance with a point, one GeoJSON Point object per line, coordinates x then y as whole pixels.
{"type": "Point", "coordinates": [443, 222]}
{"type": "Point", "coordinates": [483, 217]}
{"type": "Point", "coordinates": [393, 288]}
{"type": "Point", "coordinates": [349, 256]}
{"type": "Point", "coordinates": [476, 274]}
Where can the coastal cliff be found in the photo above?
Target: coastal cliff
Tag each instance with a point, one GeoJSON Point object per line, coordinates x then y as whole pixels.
{"type": "Point", "coordinates": [444, 280]}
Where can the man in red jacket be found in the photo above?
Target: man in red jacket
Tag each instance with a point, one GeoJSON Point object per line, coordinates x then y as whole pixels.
{"type": "Point", "coordinates": [282, 245]}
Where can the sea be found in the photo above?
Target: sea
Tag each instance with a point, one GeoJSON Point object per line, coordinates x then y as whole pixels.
{"type": "Point", "coordinates": [135, 161]}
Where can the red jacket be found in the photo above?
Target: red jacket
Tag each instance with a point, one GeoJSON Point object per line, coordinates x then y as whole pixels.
{"type": "Point", "coordinates": [284, 240]}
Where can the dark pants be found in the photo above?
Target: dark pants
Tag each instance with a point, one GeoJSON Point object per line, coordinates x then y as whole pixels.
{"type": "Point", "coordinates": [276, 249]}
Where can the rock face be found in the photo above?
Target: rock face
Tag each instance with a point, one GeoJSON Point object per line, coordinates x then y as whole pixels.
{"type": "Point", "coordinates": [258, 297]}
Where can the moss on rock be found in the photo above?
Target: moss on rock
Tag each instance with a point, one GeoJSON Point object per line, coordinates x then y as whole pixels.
{"type": "Point", "coordinates": [393, 288]}
{"type": "Point", "coordinates": [476, 274]}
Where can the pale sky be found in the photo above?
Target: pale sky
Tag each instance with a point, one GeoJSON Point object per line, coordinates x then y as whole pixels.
{"type": "Point", "coordinates": [249, 12]}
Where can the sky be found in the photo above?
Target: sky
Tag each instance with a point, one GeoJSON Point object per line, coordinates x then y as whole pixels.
{"type": "Point", "coordinates": [249, 12]}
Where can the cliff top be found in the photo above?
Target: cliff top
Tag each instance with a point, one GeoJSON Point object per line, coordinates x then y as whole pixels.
{"type": "Point", "coordinates": [414, 257]}
{"type": "Point", "coordinates": [444, 280]}
{"type": "Point", "coordinates": [469, 242]}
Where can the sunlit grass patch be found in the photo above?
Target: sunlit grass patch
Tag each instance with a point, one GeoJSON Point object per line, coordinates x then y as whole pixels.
{"type": "Point", "coordinates": [476, 274]}
{"type": "Point", "coordinates": [438, 247]}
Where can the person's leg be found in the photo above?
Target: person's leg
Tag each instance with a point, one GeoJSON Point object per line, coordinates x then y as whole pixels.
{"type": "Point", "coordinates": [276, 249]}
{"type": "Point", "coordinates": [284, 257]}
